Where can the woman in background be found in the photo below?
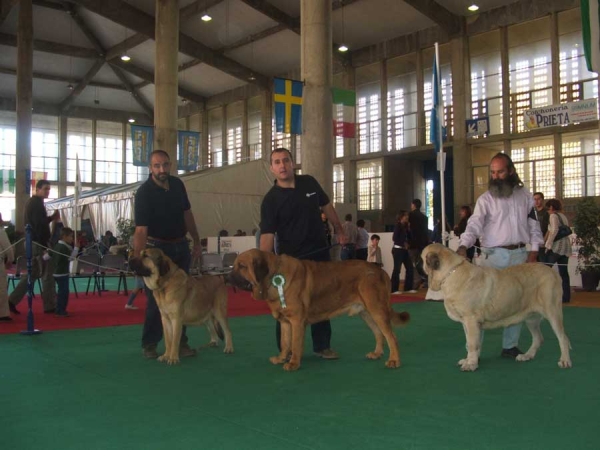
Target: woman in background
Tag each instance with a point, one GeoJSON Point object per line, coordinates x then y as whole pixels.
{"type": "Point", "coordinates": [465, 212]}
{"type": "Point", "coordinates": [558, 251]}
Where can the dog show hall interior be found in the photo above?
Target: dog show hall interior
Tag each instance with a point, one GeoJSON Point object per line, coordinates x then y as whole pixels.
{"type": "Point", "coordinates": [88, 87]}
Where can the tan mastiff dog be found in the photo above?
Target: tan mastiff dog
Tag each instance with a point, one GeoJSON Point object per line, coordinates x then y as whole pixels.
{"type": "Point", "coordinates": [301, 292]}
{"type": "Point", "coordinates": [183, 300]}
{"type": "Point", "coordinates": [484, 298]}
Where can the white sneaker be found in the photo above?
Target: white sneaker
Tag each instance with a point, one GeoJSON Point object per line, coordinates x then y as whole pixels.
{"type": "Point", "coordinates": [412, 291]}
{"type": "Point", "coordinates": [397, 292]}
{"type": "Point", "coordinates": [131, 307]}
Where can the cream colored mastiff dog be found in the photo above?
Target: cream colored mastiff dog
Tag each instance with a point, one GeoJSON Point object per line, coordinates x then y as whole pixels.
{"type": "Point", "coordinates": [484, 297]}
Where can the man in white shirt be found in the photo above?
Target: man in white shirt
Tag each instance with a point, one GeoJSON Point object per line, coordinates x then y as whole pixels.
{"type": "Point", "coordinates": [505, 222]}
{"type": "Point", "coordinates": [351, 232]}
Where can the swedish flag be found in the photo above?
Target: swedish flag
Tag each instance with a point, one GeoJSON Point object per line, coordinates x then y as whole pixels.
{"type": "Point", "coordinates": [288, 105]}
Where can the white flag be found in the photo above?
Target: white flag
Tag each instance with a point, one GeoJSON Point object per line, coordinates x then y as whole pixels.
{"type": "Point", "coordinates": [590, 26]}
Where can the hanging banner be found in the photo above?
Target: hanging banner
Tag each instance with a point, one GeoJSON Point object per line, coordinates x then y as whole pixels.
{"type": "Point", "coordinates": [142, 142]}
{"type": "Point", "coordinates": [36, 176]}
{"type": "Point", "coordinates": [563, 114]}
{"type": "Point", "coordinates": [189, 149]}
{"type": "Point", "coordinates": [7, 181]}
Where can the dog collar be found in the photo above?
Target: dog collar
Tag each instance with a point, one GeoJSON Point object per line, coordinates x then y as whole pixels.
{"type": "Point", "coordinates": [278, 281]}
{"type": "Point", "coordinates": [451, 272]}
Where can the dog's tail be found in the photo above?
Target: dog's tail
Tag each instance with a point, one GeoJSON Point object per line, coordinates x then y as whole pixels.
{"type": "Point", "coordinates": [400, 318]}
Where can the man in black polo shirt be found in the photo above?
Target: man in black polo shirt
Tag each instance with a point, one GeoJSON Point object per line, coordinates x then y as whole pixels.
{"type": "Point", "coordinates": [292, 209]}
{"type": "Point", "coordinates": [163, 217]}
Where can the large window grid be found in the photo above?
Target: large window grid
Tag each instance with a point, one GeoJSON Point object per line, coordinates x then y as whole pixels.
{"type": "Point", "coordinates": [446, 82]}
{"type": "Point", "coordinates": [133, 174]}
{"type": "Point", "coordinates": [581, 166]}
{"type": "Point", "coordinates": [80, 145]}
{"type": "Point", "coordinates": [369, 124]}
{"type": "Point", "coordinates": [109, 153]}
{"type": "Point", "coordinates": [338, 183]}
{"type": "Point", "coordinates": [234, 145]}
{"type": "Point", "coordinates": [44, 153]}
{"type": "Point", "coordinates": [536, 168]}
{"type": "Point", "coordinates": [280, 140]}
{"type": "Point", "coordinates": [370, 185]}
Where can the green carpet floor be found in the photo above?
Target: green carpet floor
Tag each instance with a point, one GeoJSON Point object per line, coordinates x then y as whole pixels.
{"type": "Point", "coordinates": [91, 389]}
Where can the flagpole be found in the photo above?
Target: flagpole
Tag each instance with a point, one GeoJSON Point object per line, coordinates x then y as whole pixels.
{"type": "Point", "coordinates": [440, 142]}
{"type": "Point", "coordinates": [76, 199]}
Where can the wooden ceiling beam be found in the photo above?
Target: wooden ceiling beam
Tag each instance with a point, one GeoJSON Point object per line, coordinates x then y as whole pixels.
{"type": "Point", "coordinates": [52, 47]}
{"type": "Point", "coordinates": [63, 79]}
{"type": "Point", "coordinates": [5, 8]}
{"type": "Point", "coordinates": [447, 21]}
{"type": "Point", "coordinates": [64, 105]}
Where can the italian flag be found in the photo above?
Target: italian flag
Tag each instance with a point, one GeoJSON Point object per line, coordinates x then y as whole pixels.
{"type": "Point", "coordinates": [590, 25]}
{"type": "Point", "coordinates": [7, 181]}
{"type": "Point", "coordinates": [344, 112]}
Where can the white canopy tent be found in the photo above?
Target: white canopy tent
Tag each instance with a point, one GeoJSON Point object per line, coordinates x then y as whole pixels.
{"type": "Point", "coordinates": [225, 198]}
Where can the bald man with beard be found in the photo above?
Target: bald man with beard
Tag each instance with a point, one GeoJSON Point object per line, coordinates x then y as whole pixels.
{"type": "Point", "coordinates": [505, 222]}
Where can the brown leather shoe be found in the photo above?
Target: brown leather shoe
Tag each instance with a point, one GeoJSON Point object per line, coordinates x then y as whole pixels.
{"type": "Point", "coordinates": [327, 354]}
{"type": "Point", "coordinates": [13, 308]}
{"type": "Point", "coordinates": [149, 352]}
{"type": "Point", "coordinates": [185, 350]}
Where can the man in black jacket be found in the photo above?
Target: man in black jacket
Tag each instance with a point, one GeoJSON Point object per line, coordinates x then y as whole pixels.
{"type": "Point", "coordinates": [418, 241]}
{"type": "Point", "coordinates": [37, 217]}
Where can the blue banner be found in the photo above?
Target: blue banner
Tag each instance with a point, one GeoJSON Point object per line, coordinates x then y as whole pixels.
{"type": "Point", "coordinates": [188, 151]}
{"type": "Point", "coordinates": [287, 95]}
{"type": "Point", "coordinates": [142, 143]}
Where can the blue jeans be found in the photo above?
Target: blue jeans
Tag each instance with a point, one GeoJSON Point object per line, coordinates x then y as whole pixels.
{"type": "Point", "coordinates": [348, 252]}
{"type": "Point", "coordinates": [501, 258]}
{"type": "Point", "coordinates": [62, 294]}
{"type": "Point", "coordinates": [180, 253]}
{"type": "Point", "coordinates": [401, 256]}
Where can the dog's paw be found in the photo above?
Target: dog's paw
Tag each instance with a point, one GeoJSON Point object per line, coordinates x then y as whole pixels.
{"type": "Point", "coordinates": [373, 355]}
{"type": "Point", "coordinates": [213, 344]}
{"type": "Point", "coordinates": [564, 363]}
{"type": "Point", "coordinates": [276, 360]}
{"type": "Point", "coordinates": [228, 349]}
{"type": "Point", "coordinates": [524, 357]}
{"type": "Point", "coordinates": [291, 366]}
{"type": "Point", "coordinates": [467, 366]}
{"type": "Point", "coordinates": [392, 364]}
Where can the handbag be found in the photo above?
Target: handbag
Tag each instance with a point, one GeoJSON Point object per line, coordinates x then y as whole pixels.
{"type": "Point", "coordinates": [563, 230]}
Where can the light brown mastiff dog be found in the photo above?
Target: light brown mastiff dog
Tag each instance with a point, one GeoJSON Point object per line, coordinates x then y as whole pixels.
{"type": "Point", "coordinates": [484, 298]}
{"type": "Point", "coordinates": [183, 300]}
{"type": "Point", "coordinates": [301, 292]}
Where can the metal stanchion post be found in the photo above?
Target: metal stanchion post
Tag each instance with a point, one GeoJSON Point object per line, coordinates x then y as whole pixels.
{"type": "Point", "coordinates": [30, 283]}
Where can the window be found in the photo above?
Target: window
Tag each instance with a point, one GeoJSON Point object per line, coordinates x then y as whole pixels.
{"type": "Point", "coordinates": [254, 128]}
{"type": "Point", "coordinates": [109, 152]}
{"type": "Point", "coordinates": [338, 183]}
{"type": "Point", "coordinates": [79, 144]}
{"type": "Point", "coordinates": [280, 139]}
{"type": "Point", "coordinates": [44, 146]}
{"type": "Point", "coordinates": [486, 79]}
{"type": "Point", "coordinates": [529, 69]}
{"type": "Point", "coordinates": [402, 103]}
{"type": "Point", "coordinates": [534, 162]}
{"type": "Point", "coordinates": [133, 174]}
{"type": "Point", "coordinates": [369, 179]}
{"type": "Point", "coordinates": [215, 137]}
{"type": "Point", "coordinates": [369, 123]}
{"type": "Point", "coordinates": [576, 83]}
{"type": "Point", "coordinates": [234, 132]}
{"type": "Point", "coordinates": [581, 164]}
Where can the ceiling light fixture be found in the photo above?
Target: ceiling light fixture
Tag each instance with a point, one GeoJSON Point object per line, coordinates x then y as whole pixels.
{"type": "Point", "coordinates": [473, 8]}
{"type": "Point", "coordinates": [70, 87]}
{"type": "Point", "coordinates": [343, 47]}
{"type": "Point", "coordinates": [125, 58]}
{"type": "Point", "coordinates": [131, 120]}
{"type": "Point", "coordinates": [206, 17]}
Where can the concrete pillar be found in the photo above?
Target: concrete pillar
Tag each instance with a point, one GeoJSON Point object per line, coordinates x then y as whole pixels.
{"type": "Point", "coordinates": [384, 106]}
{"type": "Point", "coordinates": [317, 120]}
{"type": "Point", "coordinates": [504, 60]}
{"type": "Point", "coordinates": [225, 137]}
{"type": "Point", "coordinates": [462, 162]}
{"type": "Point", "coordinates": [421, 129]}
{"type": "Point", "coordinates": [165, 76]}
{"type": "Point", "coordinates": [204, 139]}
{"type": "Point", "coordinates": [24, 114]}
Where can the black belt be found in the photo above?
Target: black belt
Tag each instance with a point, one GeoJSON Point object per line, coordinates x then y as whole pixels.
{"type": "Point", "coordinates": [513, 246]}
{"type": "Point", "coordinates": [167, 241]}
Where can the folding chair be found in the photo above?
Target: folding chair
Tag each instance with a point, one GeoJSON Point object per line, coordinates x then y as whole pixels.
{"type": "Point", "coordinates": [21, 269]}
{"type": "Point", "coordinates": [112, 266]}
{"type": "Point", "coordinates": [211, 263]}
{"type": "Point", "coordinates": [228, 260]}
{"type": "Point", "coordinates": [87, 267]}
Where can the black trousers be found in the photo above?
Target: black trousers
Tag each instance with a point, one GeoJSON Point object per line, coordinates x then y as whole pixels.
{"type": "Point", "coordinates": [320, 331]}
{"type": "Point", "coordinates": [153, 331]}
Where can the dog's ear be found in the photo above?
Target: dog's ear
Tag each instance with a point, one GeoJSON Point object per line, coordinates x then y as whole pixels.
{"type": "Point", "coordinates": [260, 268]}
{"type": "Point", "coordinates": [163, 266]}
{"type": "Point", "coordinates": [433, 263]}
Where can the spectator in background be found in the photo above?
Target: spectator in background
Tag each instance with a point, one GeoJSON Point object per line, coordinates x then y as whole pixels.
{"type": "Point", "coordinates": [419, 239]}
{"type": "Point", "coordinates": [464, 213]}
{"type": "Point", "coordinates": [6, 259]}
{"type": "Point", "coordinates": [37, 217]}
{"type": "Point", "coordinates": [62, 255]}
{"type": "Point", "coordinates": [327, 228]}
{"type": "Point", "coordinates": [558, 251]}
{"type": "Point", "coordinates": [543, 217]}
{"type": "Point", "coordinates": [107, 241]}
{"type": "Point", "coordinates": [351, 232]}
{"type": "Point", "coordinates": [400, 253]}
{"type": "Point", "coordinates": [362, 240]}
{"type": "Point", "coordinates": [374, 250]}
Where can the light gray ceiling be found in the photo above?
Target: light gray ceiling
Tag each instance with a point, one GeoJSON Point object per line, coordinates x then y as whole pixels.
{"type": "Point", "coordinates": [245, 37]}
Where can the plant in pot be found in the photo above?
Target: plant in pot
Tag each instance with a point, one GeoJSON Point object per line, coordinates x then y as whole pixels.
{"type": "Point", "coordinates": [585, 224]}
{"type": "Point", "coordinates": [125, 228]}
